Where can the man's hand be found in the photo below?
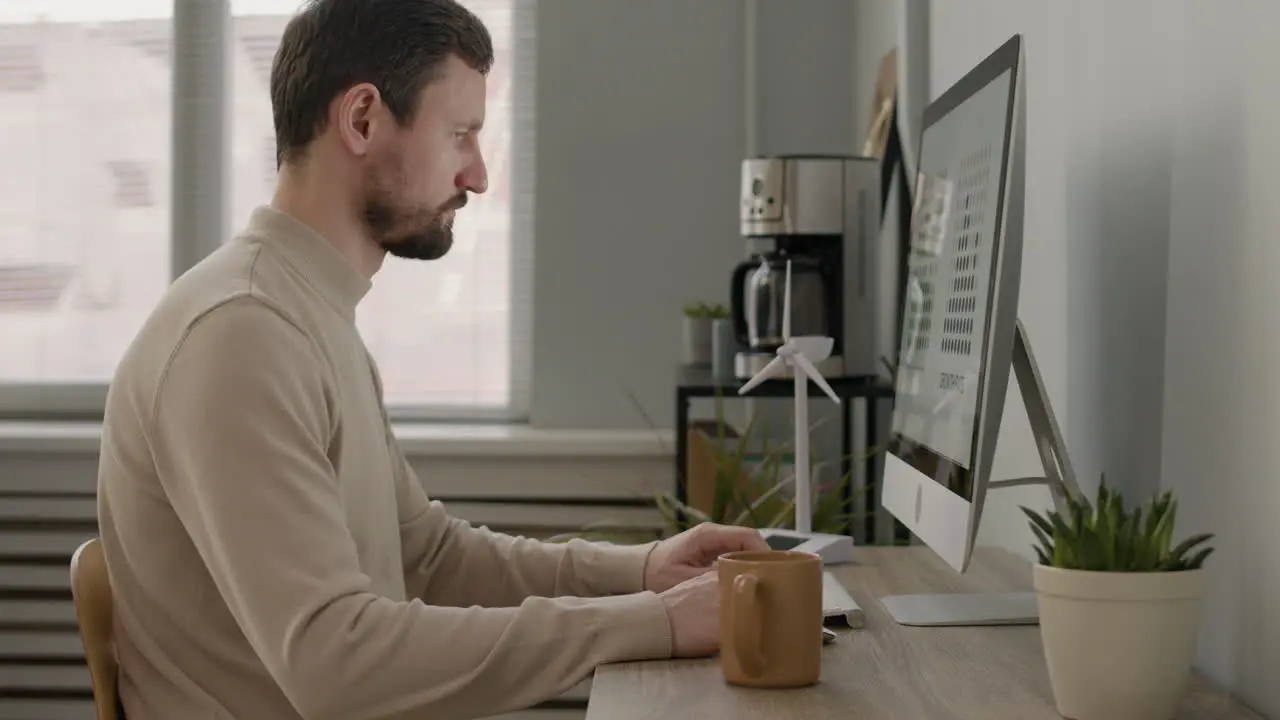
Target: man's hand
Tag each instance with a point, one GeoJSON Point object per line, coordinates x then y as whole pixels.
{"type": "Point", "coordinates": [693, 609]}
{"type": "Point", "coordinates": [694, 551]}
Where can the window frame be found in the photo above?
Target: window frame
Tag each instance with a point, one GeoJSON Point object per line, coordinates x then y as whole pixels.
{"type": "Point", "coordinates": [202, 36]}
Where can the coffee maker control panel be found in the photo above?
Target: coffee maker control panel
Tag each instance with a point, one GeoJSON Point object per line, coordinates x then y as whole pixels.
{"type": "Point", "coordinates": [762, 194]}
{"type": "Point", "coordinates": [793, 195]}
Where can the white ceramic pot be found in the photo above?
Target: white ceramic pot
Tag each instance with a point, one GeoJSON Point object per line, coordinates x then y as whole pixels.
{"type": "Point", "coordinates": [724, 346]}
{"type": "Point", "coordinates": [697, 341]}
{"type": "Point", "coordinates": [1119, 646]}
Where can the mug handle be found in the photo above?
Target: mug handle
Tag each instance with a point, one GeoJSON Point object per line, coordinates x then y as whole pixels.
{"type": "Point", "coordinates": [746, 625]}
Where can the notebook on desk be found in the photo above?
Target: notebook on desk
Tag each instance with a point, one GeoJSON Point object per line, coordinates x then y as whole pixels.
{"type": "Point", "coordinates": [838, 608]}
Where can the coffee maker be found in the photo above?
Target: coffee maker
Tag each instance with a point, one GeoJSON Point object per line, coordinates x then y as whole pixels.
{"type": "Point", "coordinates": [822, 213]}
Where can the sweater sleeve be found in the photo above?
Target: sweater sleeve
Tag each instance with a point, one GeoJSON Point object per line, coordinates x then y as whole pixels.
{"type": "Point", "coordinates": [449, 562]}
{"type": "Point", "coordinates": [241, 433]}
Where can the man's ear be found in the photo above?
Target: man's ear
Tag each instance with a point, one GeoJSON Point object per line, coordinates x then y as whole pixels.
{"type": "Point", "coordinates": [356, 117]}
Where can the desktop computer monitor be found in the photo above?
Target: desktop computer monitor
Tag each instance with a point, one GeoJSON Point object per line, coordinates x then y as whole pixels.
{"type": "Point", "coordinates": [960, 331]}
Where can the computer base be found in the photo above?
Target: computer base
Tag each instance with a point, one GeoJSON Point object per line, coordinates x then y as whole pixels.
{"type": "Point", "coordinates": [963, 609]}
{"type": "Point", "coordinates": [833, 549]}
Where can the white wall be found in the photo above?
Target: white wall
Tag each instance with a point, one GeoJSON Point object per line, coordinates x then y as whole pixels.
{"type": "Point", "coordinates": [640, 133]}
{"type": "Point", "coordinates": [1223, 348]}
{"type": "Point", "coordinates": [1154, 134]}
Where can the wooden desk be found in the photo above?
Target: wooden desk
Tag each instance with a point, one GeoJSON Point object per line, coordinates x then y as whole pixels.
{"type": "Point", "coordinates": [883, 670]}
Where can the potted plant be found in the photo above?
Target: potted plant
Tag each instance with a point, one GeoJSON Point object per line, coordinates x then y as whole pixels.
{"type": "Point", "coordinates": [751, 486]}
{"type": "Point", "coordinates": [698, 317]}
{"type": "Point", "coordinates": [1119, 605]}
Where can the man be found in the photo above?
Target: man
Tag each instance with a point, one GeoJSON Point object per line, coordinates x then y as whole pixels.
{"type": "Point", "coordinates": [272, 554]}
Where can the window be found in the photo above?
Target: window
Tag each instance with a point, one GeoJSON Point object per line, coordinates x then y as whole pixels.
{"type": "Point", "coordinates": [85, 208]}
{"type": "Point", "coordinates": [83, 212]}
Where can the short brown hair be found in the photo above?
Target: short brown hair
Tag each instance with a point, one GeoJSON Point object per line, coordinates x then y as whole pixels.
{"type": "Point", "coordinates": [397, 45]}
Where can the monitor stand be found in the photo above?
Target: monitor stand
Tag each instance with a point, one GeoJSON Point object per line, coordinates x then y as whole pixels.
{"type": "Point", "coordinates": [963, 609]}
{"type": "Point", "coordinates": [1003, 608]}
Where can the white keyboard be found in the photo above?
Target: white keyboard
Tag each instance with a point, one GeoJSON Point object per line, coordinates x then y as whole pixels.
{"type": "Point", "coordinates": [837, 606]}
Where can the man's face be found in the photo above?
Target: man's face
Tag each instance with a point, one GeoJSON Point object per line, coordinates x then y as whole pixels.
{"type": "Point", "coordinates": [415, 181]}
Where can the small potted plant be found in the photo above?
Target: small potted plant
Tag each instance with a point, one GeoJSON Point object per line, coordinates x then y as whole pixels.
{"type": "Point", "coordinates": [698, 317]}
{"type": "Point", "coordinates": [1119, 605]}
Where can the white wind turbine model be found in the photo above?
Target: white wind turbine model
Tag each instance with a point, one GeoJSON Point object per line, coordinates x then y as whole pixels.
{"type": "Point", "coordinates": [799, 355]}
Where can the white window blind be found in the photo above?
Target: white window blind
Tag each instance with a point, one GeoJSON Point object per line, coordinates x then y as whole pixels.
{"type": "Point", "coordinates": [137, 136]}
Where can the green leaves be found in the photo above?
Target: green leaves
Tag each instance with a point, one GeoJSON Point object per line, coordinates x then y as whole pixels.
{"type": "Point", "coordinates": [699, 309]}
{"type": "Point", "coordinates": [754, 484]}
{"type": "Point", "coordinates": [1105, 536]}
{"type": "Point", "coordinates": [753, 480]}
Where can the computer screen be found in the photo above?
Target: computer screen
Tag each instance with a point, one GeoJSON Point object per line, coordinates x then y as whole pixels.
{"type": "Point", "coordinates": [961, 337]}
{"type": "Point", "coordinates": [949, 276]}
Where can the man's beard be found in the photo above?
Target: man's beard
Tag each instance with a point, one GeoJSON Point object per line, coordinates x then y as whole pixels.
{"type": "Point", "coordinates": [413, 233]}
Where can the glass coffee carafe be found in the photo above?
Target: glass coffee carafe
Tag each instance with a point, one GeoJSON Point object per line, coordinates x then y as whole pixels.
{"type": "Point", "coordinates": [758, 298]}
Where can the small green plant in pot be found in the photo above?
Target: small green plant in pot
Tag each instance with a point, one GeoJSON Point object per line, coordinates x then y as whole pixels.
{"type": "Point", "coordinates": [698, 317]}
{"type": "Point", "coordinates": [1119, 604]}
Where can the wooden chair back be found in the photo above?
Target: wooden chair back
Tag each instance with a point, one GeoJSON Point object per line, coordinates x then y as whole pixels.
{"type": "Point", "coordinates": [91, 593]}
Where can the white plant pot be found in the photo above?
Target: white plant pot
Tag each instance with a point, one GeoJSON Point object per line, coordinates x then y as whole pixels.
{"type": "Point", "coordinates": [1119, 646]}
{"type": "Point", "coordinates": [697, 341]}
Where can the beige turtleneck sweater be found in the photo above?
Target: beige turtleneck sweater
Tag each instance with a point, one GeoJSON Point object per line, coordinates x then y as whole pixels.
{"type": "Point", "coordinates": [272, 554]}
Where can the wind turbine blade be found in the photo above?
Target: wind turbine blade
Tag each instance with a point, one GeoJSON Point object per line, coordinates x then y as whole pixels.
{"type": "Point", "coordinates": [815, 376]}
{"type": "Point", "coordinates": [786, 306]}
{"type": "Point", "coordinates": [768, 371]}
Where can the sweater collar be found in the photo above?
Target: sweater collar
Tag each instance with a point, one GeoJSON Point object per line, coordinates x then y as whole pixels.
{"type": "Point", "coordinates": [312, 255]}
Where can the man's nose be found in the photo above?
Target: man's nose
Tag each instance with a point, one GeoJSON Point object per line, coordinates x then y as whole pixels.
{"type": "Point", "coordinates": [475, 177]}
